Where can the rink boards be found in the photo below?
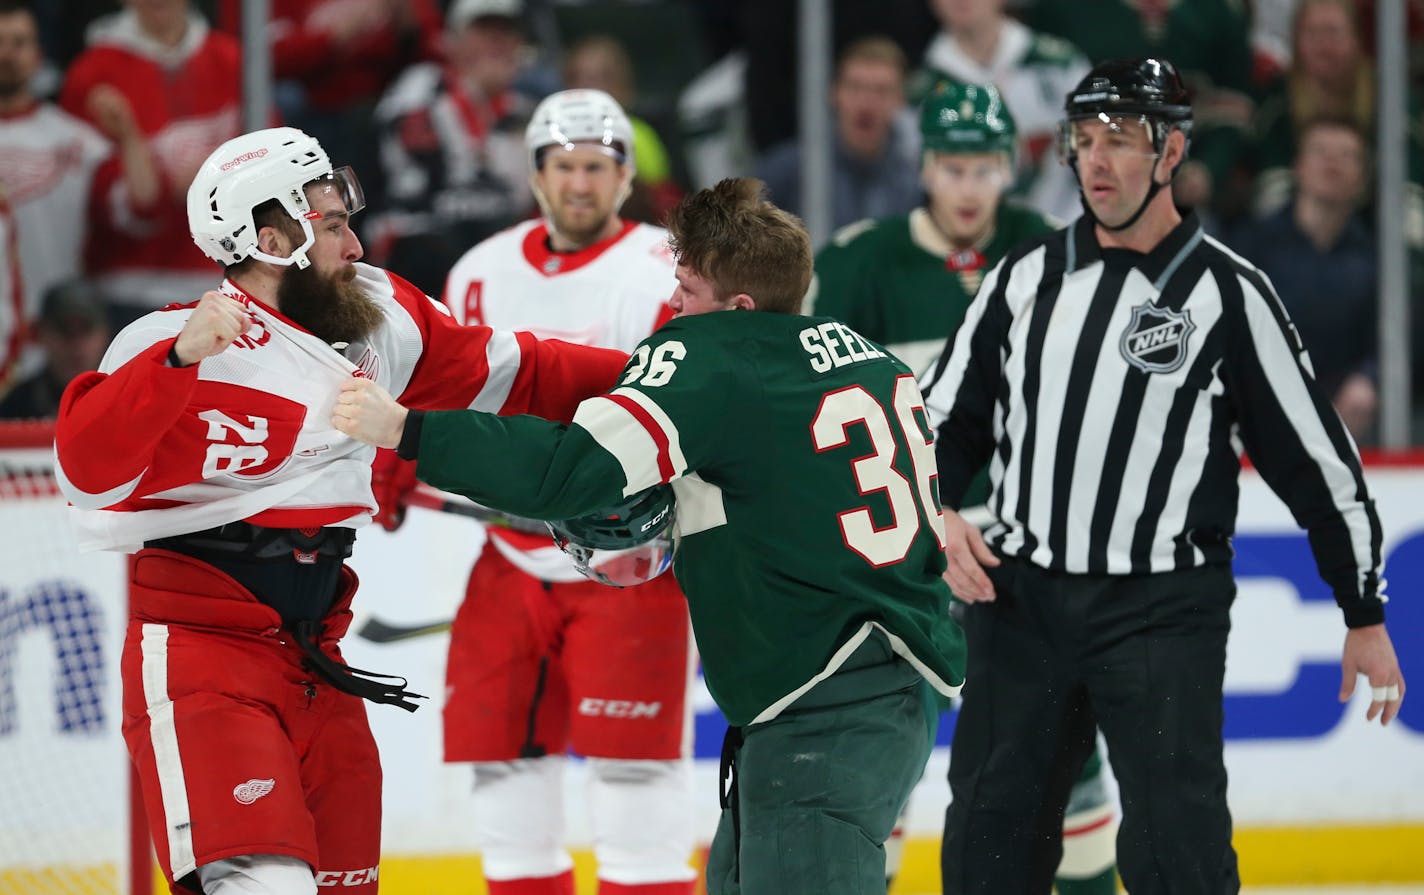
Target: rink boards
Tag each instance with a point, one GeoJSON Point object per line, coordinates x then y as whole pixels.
{"type": "Point", "coordinates": [1317, 794]}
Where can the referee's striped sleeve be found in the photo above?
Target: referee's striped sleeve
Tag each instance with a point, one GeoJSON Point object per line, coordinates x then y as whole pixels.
{"type": "Point", "coordinates": [1298, 443]}
{"type": "Point", "coordinates": [960, 388]}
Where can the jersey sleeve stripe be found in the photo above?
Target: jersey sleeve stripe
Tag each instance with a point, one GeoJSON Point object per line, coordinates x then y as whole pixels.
{"type": "Point", "coordinates": [658, 419]}
{"type": "Point", "coordinates": [1276, 344]}
{"type": "Point", "coordinates": [503, 354]}
{"type": "Point", "coordinates": [86, 501]}
{"type": "Point", "coordinates": [623, 434]}
{"type": "Point", "coordinates": [659, 437]}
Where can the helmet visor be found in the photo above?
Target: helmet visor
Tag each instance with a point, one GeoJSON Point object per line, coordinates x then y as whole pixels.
{"type": "Point", "coordinates": [1119, 135]}
{"type": "Point", "coordinates": [621, 568]}
{"type": "Point", "coordinates": [614, 149]}
{"type": "Point", "coordinates": [628, 568]}
{"type": "Point", "coordinates": [343, 183]}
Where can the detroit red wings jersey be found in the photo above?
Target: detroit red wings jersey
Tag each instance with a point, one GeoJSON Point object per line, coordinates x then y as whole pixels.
{"type": "Point", "coordinates": [187, 101]}
{"type": "Point", "coordinates": [612, 294]}
{"type": "Point", "coordinates": [48, 163]}
{"type": "Point", "coordinates": [145, 450]}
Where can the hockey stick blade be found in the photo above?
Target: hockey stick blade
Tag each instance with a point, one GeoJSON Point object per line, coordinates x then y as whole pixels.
{"type": "Point", "coordinates": [378, 631]}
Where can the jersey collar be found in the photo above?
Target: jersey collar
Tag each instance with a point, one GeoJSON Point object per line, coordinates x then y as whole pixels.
{"type": "Point", "coordinates": [551, 263]}
{"type": "Point", "coordinates": [232, 290]}
{"type": "Point", "coordinates": [25, 111]}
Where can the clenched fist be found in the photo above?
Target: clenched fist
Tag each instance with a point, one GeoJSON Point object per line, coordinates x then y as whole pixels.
{"type": "Point", "coordinates": [214, 324]}
{"type": "Point", "coordinates": [368, 413]}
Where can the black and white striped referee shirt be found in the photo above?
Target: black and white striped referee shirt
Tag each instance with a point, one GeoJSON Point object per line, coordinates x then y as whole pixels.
{"type": "Point", "coordinates": [1112, 393]}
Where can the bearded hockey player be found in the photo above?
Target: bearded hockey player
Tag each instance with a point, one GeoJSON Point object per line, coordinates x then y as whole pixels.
{"type": "Point", "coordinates": [204, 443]}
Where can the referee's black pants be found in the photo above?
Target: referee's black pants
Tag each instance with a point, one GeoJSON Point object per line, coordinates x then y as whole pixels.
{"type": "Point", "coordinates": [1142, 658]}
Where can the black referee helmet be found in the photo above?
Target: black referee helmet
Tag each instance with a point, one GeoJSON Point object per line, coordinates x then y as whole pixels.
{"type": "Point", "coordinates": [1149, 89]}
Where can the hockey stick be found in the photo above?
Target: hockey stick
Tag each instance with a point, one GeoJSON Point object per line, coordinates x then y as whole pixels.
{"type": "Point", "coordinates": [378, 631]}
{"type": "Point", "coordinates": [438, 501]}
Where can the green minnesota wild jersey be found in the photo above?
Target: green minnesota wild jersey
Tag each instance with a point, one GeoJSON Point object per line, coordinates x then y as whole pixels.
{"type": "Point", "coordinates": [807, 515]}
{"type": "Point", "coordinates": [897, 282]}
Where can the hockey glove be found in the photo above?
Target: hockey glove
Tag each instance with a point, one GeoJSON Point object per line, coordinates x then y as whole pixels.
{"type": "Point", "coordinates": [391, 480]}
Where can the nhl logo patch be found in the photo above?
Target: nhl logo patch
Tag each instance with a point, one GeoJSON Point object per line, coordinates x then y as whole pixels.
{"type": "Point", "coordinates": [1155, 340]}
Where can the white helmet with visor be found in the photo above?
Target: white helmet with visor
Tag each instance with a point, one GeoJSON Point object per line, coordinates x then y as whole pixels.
{"type": "Point", "coordinates": [276, 164]}
{"type": "Point", "coordinates": [573, 118]}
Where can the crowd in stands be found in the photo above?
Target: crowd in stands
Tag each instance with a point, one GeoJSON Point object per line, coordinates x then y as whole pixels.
{"type": "Point", "coordinates": [107, 109]}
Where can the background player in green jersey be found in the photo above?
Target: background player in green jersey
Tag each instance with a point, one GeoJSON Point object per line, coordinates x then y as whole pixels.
{"type": "Point", "coordinates": [906, 283]}
{"type": "Point", "coordinates": [808, 528]}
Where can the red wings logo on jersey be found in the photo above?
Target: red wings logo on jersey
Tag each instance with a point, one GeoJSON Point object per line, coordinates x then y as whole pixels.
{"type": "Point", "coordinates": [252, 790]}
{"type": "Point", "coordinates": [256, 335]}
{"type": "Point", "coordinates": [368, 366]}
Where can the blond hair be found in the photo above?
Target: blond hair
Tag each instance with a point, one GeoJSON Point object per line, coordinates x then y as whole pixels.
{"type": "Point", "coordinates": [877, 49]}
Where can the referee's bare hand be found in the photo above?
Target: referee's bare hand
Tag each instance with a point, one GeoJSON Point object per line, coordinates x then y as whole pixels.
{"type": "Point", "coordinates": [1370, 652]}
{"type": "Point", "coordinates": [214, 324]}
{"type": "Point", "coordinates": [967, 555]}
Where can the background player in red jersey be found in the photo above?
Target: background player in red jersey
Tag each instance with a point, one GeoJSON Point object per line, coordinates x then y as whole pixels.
{"type": "Point", "coordinates": [204, 439]}
{"type": "Point", "coordinates": [542, 660]}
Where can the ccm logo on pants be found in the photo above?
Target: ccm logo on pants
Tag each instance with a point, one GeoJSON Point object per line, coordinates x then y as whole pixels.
{"type": "Point", "coordinates": [618, 708]}
{"type": "Point", "coordinates": [346, 877]}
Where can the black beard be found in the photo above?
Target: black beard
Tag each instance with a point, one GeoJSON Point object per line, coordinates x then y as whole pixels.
{"type": "Point", "coordinates": [332, 308]}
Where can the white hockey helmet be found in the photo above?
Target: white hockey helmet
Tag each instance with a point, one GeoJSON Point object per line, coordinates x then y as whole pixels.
{"type": "Point", "coordinates": [272, 164]}
{"type": "Point", "coordinates": [583, 117]}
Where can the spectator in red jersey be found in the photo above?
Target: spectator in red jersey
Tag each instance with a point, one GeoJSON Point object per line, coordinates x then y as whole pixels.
{"type": "Point", "coordinates": [183, 81]}
{"type": "Point", "coordinates": [334, 59]}
{"type": "Point", "coordinates": [60, 173]}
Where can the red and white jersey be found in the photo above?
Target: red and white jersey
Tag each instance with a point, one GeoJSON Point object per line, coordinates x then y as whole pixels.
{"type": "Point", "coordinates": [48, 163]}
{"type": "Point", "coordinates": [186, 99]}
{"type": "Point", "coordinates": [612, 294]}
{"type": "Point", "coordinates": [145, 450]}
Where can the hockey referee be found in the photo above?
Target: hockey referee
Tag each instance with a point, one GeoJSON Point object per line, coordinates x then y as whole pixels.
{"type": "Point", "coordinates": [1112, 374]}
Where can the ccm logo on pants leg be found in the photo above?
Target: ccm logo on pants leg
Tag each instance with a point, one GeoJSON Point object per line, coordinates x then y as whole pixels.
{"type": "Point", "coordinates": [618, 708]}
{"type": "Point", "coordinates": [346, 877]}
